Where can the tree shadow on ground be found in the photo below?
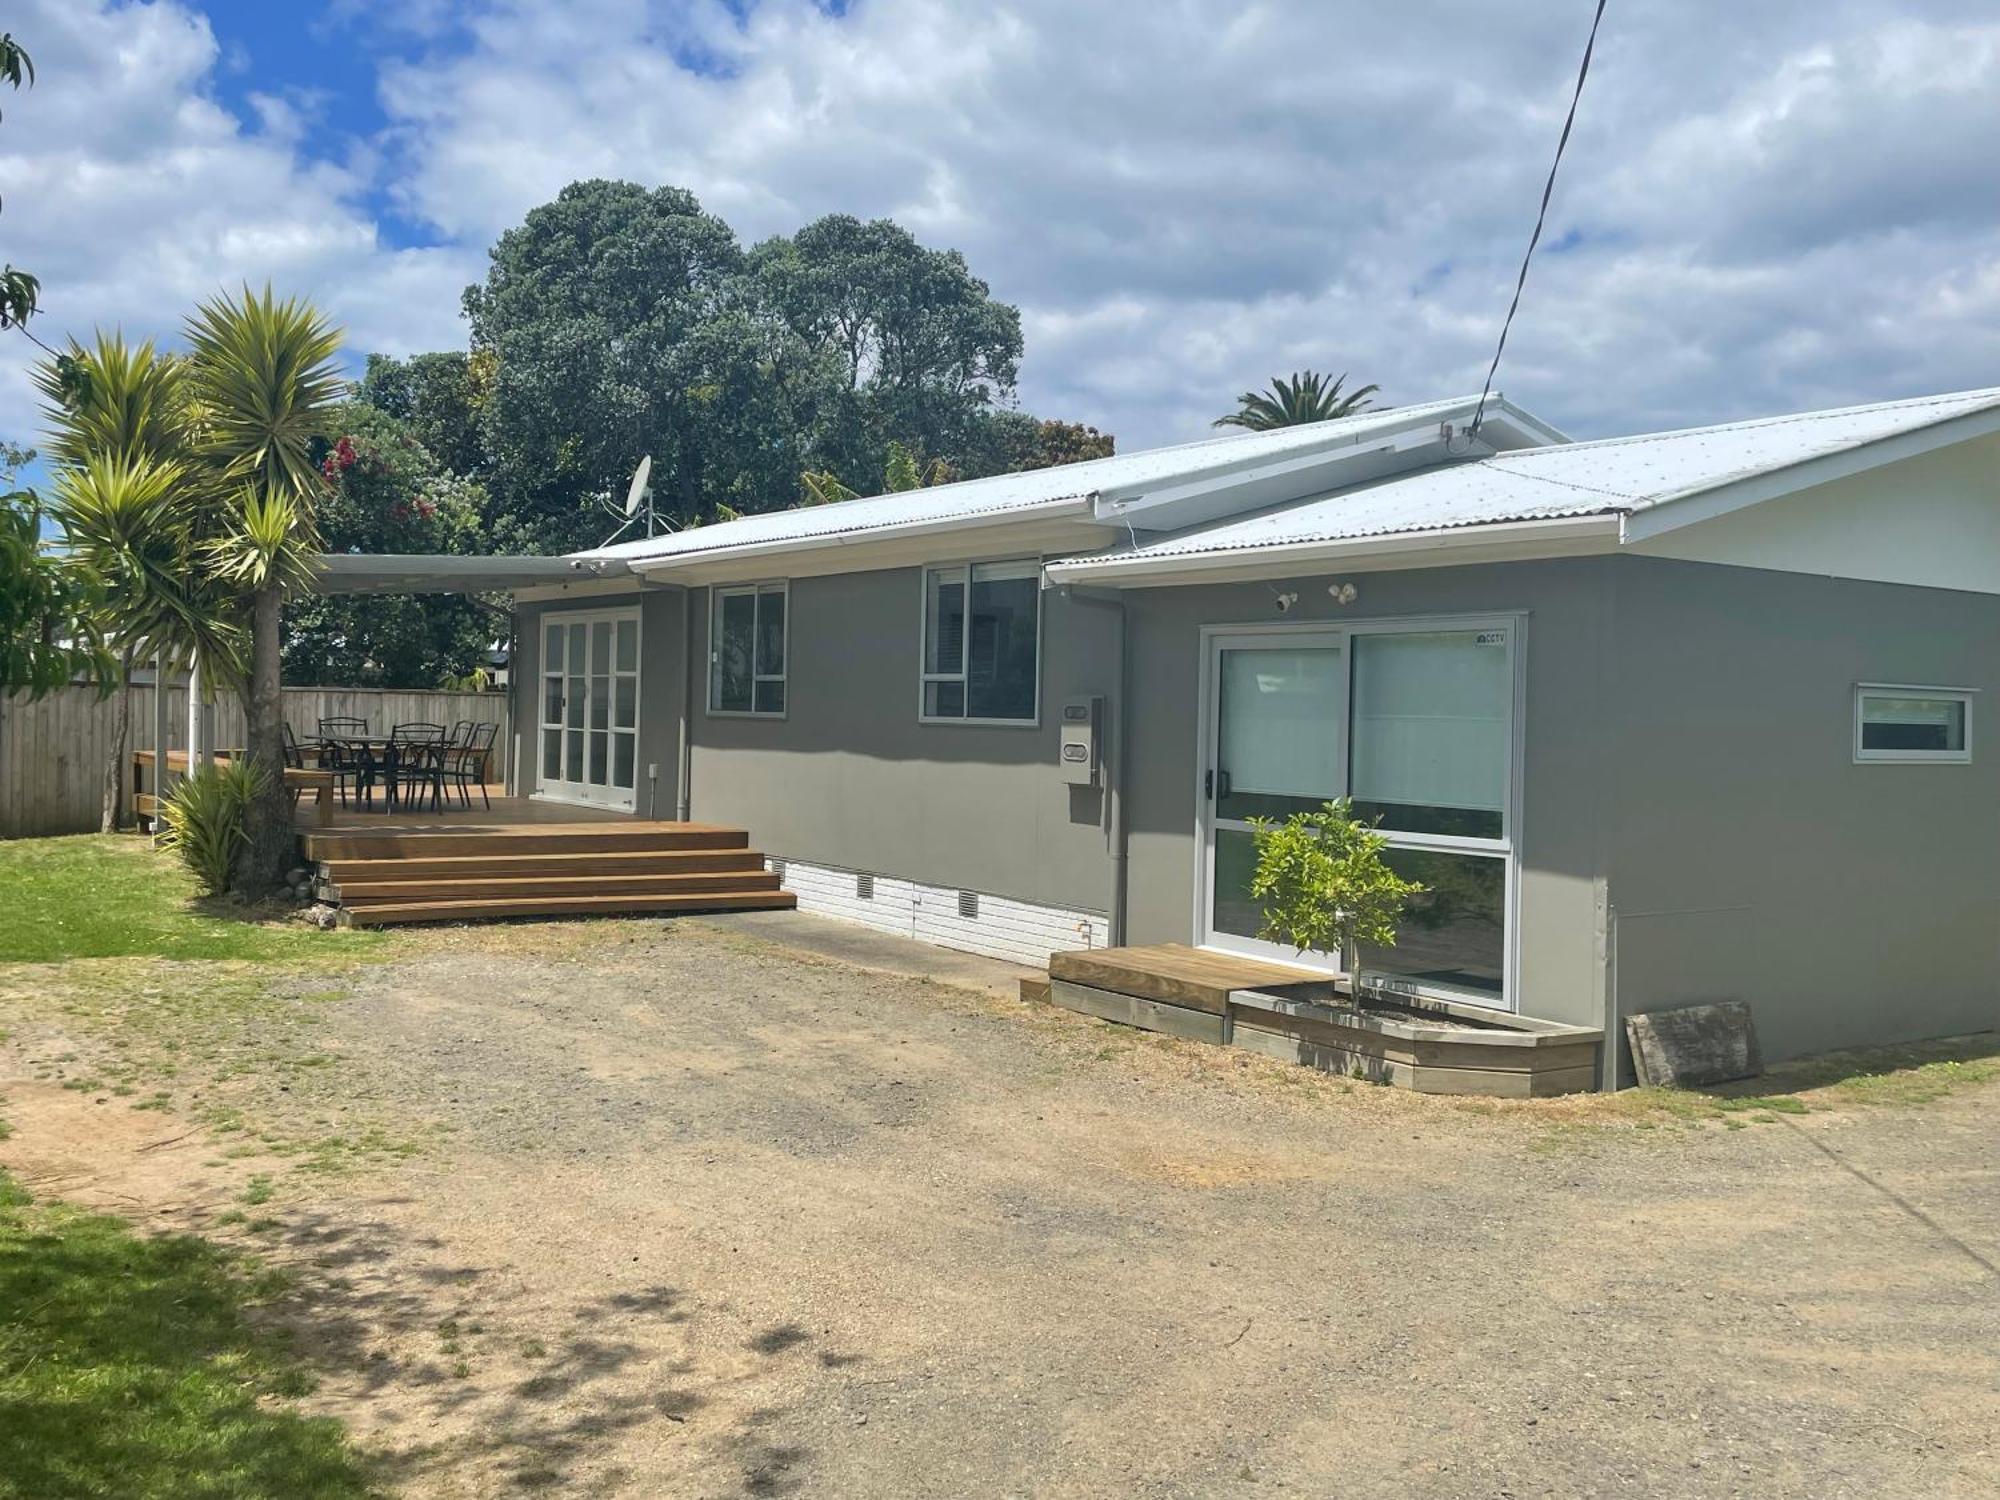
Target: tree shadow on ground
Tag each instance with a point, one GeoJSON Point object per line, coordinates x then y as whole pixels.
{"type": "Point", "coordinates": [390, 1319]}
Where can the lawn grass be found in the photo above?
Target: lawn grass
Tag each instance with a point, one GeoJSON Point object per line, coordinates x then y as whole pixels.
{"type": "Point", "coordinates": [128, 1368]}
{"type": "Point", "coordinates": [116, 896]}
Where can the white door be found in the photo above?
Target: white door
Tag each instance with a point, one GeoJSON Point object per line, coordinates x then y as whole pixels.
{"type": "Point", "coordinates": [1274, 742]}
{"type": "Point", "coordinates": [590, 708]}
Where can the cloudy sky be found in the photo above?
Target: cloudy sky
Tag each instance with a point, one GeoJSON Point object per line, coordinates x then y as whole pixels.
{"type": "Point", "coordinates": [1767, 206]}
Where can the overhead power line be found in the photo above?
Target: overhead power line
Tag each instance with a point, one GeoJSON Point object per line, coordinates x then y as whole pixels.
{"type": "Point", "coordinates": [1541, 217]}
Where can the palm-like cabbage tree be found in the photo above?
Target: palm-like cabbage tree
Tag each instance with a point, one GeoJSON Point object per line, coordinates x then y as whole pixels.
{"type": "Point", "coordinates": [264, 377]}
{"type": "Point", "coordinates": [132, 514]}
{"type": "Point", "coordinates": [1307, 396]}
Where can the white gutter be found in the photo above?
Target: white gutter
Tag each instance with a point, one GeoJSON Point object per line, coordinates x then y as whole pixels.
{"type": "Point", "coordinates": [1560, 536]}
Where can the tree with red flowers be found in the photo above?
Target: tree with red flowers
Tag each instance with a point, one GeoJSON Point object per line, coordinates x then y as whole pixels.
{"type": "Point", "coordinates": [386, 492]}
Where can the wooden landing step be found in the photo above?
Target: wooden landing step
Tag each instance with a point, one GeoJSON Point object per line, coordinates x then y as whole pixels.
{"type": "Point", "coordinates": [462, 870]}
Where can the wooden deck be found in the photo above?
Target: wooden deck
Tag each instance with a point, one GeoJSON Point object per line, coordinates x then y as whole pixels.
{"type": "Point", "coordinates": [517, 857]}
{"type": "Point", "coordinates": [1307, 1016]}
{"type": "Point", "coordinates": [527, 858]}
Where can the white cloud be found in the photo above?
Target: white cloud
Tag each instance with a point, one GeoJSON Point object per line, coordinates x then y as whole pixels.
{"type": "Point", "coordinates": [1765, 206]}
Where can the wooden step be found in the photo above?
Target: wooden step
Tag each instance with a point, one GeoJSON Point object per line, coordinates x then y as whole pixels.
{"type": "Point", "coordinates": [564, 906]}
{"type": "Point", "coordinates": [511, 866]}
{"type": "Point", "coordinates": [403, 892]}
{"type": "Point", "coordinates": [343, 843]}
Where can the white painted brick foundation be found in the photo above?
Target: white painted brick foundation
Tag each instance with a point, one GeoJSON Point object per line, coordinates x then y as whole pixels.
{"type": "Point", "coordinates": [971, 922]}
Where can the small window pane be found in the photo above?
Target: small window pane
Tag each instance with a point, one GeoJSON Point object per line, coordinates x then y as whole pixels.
{"type": "Point", "coordinates": [573, 701]}
{"type": "Point", "coordinates": [1933, 726]}
{"type": "Point", "coordinates": [598, 764]}
{"type": "Point", "coordinates": [1429, 731]}
{"type": "Point", "coordinates": [600, 646]}
{"type": "Point", "coordinates": [552, 700]}
{"type": "Point", "coordinates": [735, 629]}
{"type": "Point", "coordinates": [621, 759]}
{"type": "Point", "coordinates": [628, 645]}
{"type": "Point", "coordinates": [574, 746]}
{"type": "Point", "coordinates": [944, 700]}
{"type": "Point", "coordinates": [600, 702]}
{"type": "Point", "coordinates": [771, 633]}
{"type": "Point", "coordinates": [552, 650]}
{"type": "Point", "coordinates": [576, 645]}
{"type": "Point", "coordinates": [944, 621]}
{"type": "Point", "coordinates": [770, 696]}
{"type": "Point", "coordinates": [1453, 936]}
{"type": "Point", "coordinates": [1000, 655]}
{"type": "Point", "coordinates": [552, 755]}
{"type": "Point", "coordinates": [626, 692]}
{"type": "Point", "coordinates": [1279, 739]}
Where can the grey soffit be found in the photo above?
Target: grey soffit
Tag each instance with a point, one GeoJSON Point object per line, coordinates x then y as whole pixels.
{"type": "Point", "coordinates": [424, 573]}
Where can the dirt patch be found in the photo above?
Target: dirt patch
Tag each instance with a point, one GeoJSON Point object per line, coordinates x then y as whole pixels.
{"type": "Point", "coordinates": [691, 1215]}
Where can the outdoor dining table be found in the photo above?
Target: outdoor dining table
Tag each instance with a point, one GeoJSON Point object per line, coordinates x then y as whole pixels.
{"type": "Point", "coordinates": [381, 756]}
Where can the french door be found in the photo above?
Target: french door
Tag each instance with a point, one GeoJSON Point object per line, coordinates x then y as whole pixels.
{"type": "Point", "coordinates": [1274, 735]}
{"type": "Point", "coordinates": [590, 708]}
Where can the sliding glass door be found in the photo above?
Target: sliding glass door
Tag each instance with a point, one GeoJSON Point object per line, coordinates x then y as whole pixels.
{"type": "Point", "coordinates": [1415, 722]}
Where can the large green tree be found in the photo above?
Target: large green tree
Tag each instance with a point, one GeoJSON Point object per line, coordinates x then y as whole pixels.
{"type": "Point", "coordinates": [441, 397]}
{"type": "Point", "coordinates": [883, 341]}
{"type": "Point", "coordinates": [387, 492]}
{"type": "Point", "coordinates": [619, 321]}
{"type": "Point", "coordinates": [606, 315]}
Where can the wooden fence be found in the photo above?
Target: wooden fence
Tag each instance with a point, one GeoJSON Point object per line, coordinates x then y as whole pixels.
{"type": "Point", "coordinates": [53, 750]}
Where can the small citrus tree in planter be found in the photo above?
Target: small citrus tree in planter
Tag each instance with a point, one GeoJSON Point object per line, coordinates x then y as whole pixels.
{"type": "Point", "coordinates": [1323, 885]}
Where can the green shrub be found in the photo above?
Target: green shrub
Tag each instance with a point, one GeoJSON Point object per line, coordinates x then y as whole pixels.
{"type": "Point", "coordinates": [1321, 883]}
{"type": "Point", "coordinates": [202, 818]}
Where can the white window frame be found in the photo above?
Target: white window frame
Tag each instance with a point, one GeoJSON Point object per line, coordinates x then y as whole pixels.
{"type": "Point", "coordinates": [1506, 848]}
{"type": "Point", "coordinates": [717, 593]}
{"type": "Point", "coordinates": [1863, 691]}
{"type": "Point", "coordinates": [925, 678]}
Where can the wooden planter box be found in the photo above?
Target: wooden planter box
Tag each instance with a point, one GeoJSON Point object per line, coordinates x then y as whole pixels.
{"type": "Point", "coordinates": [1431, 1046]}
{"type": "Point", "coordinates": [1434, 1046]}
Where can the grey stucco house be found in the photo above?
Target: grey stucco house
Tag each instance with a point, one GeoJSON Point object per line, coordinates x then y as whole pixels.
{"type": "Point", "coordinates": [1660, 719]}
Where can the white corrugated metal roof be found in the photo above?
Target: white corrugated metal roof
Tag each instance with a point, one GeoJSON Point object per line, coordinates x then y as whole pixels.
{"type": "Point", "coordinates": [1613, 476]}
{"type": "Point", "coordinates": [1007, 495]}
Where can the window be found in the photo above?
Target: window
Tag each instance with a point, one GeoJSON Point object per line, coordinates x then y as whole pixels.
{"type": "Point", "coordinates": [1430, 752]}
{"type": "Point", "coordinates": [982, 629]}
{"type": "Point", "coordinates": [746, 653]}
{"type": "Point", "coordinates": [1912, 724]}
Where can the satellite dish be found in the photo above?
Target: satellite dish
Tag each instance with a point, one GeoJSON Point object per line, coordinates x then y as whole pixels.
{"type": "Point", "coordinates": [641, 487]}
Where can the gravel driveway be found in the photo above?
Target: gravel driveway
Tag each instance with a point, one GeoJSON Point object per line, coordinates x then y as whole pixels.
{"type": "Point", "coordinates": [706, 1217]}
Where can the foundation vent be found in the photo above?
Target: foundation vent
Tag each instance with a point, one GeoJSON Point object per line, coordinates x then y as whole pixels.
{"type": "Point", "coordinates": [778, 869]}
{"type": "Point", "coordinates": [864, 887]}
{"type": "Point", "coordinates": [968, 905]}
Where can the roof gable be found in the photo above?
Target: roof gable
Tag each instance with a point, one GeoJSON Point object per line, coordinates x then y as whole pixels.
{"type": "Point", "coordinates": [1636, 486]}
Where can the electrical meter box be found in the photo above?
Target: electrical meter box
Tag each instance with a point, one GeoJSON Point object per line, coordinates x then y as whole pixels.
{"type": "Point", "coordinates": [1077, 753]}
